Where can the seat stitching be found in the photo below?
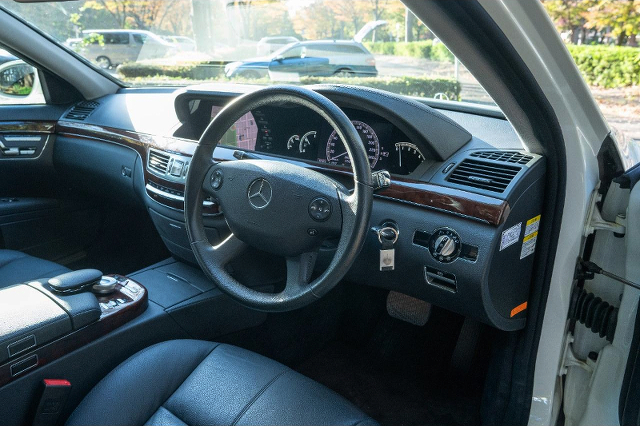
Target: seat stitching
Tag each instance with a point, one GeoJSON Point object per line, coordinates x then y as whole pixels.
{"type": "Point", "coordinates": [126, 362]}
{"type": "Point", "coordinates": [10, 261]}
{"type": "Point", "coordinates": [257, 396]}
{"type": "Point", "coordinates": [171, 412]}
{"type": "Point", "coordinates": [185, 379]}
{"type": "Point", "coordinates": [359, 422]}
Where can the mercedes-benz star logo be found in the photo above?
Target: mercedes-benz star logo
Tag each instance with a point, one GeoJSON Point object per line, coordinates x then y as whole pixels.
{"type": "Point", "coordinates": [259, 193]}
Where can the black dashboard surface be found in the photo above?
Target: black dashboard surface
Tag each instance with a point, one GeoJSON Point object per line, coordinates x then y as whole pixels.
{"type": "Point", "coordinates": [460, 180]}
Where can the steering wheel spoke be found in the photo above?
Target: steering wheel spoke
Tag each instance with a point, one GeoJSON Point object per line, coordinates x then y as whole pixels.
{"type": "Point", "coordinates": [348, 205]}
{"type": "Point", "coordinates": [228, 250]}
{"type": "Point", "coordinates": [299, 271]}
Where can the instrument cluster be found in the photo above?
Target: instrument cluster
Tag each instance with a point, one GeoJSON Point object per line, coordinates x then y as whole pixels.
{"type": "Point", "coordinates": [302, 134]}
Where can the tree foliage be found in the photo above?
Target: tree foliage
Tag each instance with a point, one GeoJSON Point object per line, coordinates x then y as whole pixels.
{"type": "Point", "coordinates": [618, 20]}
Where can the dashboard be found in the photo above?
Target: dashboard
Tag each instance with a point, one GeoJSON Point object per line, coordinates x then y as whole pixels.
{"type": "Point", "coordinates": [465, 197]}
{"type": "Point", "coordinates": [302, 134]}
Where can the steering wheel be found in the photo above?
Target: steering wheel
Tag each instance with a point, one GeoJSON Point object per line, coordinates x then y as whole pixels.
{"type": "Point", "coordinates": [278, 207]}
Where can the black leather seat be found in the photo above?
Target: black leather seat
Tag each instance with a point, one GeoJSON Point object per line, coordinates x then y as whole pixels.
{"type": "Point", "coordinates": [17, 267]}
{"type": "Point", "coordinates": [192, 382]}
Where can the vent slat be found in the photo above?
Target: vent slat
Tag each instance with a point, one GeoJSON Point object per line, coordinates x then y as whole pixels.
{"type": "Point", "coordinates": [158, 161]}
{"type": "Point", "coordinates": [81, 111]}
{"type": "Point", "coordinates": [497, 172]}
{"type": "Point", "coordinates": [483, 175]}
{"type": "Point", "coordinates": [514, 157]}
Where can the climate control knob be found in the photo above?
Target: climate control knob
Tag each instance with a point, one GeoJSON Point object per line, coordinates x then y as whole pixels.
{"type": "Point", "coordinates": [445, 245]}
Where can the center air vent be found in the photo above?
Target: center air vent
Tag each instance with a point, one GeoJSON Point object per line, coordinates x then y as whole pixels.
{"type": "Point", "coordinates": [82, 110]}
{"type": "Point", "coordinates": [158, 161]}
{"type": "Point", "coordinates": [503, 156]}
{"type": "Point", "coordinates": [483, 175]}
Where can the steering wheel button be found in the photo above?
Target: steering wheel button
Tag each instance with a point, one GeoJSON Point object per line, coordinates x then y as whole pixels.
{"type": "Point", "coordinates": [216, 179]}
{"type": "Point", "coordinates": [320, 209]}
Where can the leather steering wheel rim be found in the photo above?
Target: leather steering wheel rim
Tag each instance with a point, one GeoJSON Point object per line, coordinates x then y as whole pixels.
{"type": "Point", "coordinates": [354, 206]}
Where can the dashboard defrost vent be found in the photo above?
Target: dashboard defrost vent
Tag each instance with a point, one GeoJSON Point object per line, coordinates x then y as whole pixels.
{"type": "Point", "coordinates": [503, 156]}
{"type": "Point", "coordinates": [82, 110]}
{"type": "Point", "coordinates": [483, 175]}
{"type": "Point", "coordinates": [158, 161]}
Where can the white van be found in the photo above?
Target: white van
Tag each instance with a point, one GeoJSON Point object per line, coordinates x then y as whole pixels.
{"type": "Point", "coordinates": [109, 48]}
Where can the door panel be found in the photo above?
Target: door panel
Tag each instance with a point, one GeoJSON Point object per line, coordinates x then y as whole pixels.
{"type": "Point", "coordinates": [47, 228]}
{"type": "Point", "coordinates": [33, 217]}
{"type": "Point", "coordinates": [27, 138]}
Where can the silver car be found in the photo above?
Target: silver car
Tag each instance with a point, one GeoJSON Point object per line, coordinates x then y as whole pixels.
{"type": "Point", "coordinates": [109, 48]}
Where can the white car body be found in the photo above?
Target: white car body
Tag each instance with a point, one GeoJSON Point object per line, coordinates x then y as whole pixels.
{"type": "Point", "coordinates": [532, 33]}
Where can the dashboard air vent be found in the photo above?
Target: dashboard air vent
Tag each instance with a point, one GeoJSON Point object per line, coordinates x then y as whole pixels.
{"type": "Point", "coordinates": [483, 175]}
{"type": "Point", "coordinates": [82, 110]}
{"type": "Point", "coordinates": [158, 161]}
{"type": "Point", "coordinates": [503, 156]}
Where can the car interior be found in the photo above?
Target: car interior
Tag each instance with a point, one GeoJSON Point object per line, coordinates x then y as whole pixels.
{"type": "Point", "coordinates": [381, 248]}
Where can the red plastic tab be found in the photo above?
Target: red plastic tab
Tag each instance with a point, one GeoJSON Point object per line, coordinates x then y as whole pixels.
{"type": "Point", "coordinates": [56, 382]}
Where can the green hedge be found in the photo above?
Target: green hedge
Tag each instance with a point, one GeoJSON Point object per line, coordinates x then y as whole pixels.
{"type": "Point", "coordinates": [411, 86]}
{"type": "Point", "coordinates": [200, 71]}
{"type": "Point", "coordinates": [608, 66]}
{"type": "Point", "coordinates": [415, 49]}
{"type": "Point", "coordinates": [605, 66]}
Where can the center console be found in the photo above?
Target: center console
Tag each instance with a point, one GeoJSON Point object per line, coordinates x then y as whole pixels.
{"type": "Point", "coordinates": [43, 320]}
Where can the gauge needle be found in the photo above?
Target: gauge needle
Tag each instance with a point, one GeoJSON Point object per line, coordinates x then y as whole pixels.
{"type": "Point", "coordinates": [337, 156]}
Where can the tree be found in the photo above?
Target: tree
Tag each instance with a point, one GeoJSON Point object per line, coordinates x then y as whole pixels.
{"type": "Point", "coordinates": [621, 17]}
{"type": "Point", "coordinates": [569, 15]}
{"type": "Point", "coordinates": [152, 15]}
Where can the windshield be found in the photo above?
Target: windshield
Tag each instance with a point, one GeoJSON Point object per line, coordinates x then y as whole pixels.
{"type": "Point", "coordinates": [374, 43]}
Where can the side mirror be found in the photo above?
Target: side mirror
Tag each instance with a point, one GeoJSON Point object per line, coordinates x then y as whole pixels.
{"type": "Point", "coordinates": [279, 58]}
{"type": "Point", "coordinates": [17, 79]}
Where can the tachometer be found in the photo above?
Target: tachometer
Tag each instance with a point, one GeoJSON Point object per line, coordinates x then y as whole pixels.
{"type": "Point", "coordinates": [336, 153]}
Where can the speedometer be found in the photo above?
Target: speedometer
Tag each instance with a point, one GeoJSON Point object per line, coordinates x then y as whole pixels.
{"type": "Point", "coordinates": [336, 152]}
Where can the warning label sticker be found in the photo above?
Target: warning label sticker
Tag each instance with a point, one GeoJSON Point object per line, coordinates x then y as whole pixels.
{"type": "Point", "coordinates": [532, 225]}
{"type": "Point", "coordinates": [510, 236]}
{"type": "Point", "coordinates": [530, 237]}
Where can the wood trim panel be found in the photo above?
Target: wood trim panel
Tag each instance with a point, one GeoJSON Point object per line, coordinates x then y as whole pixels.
{"type": "Point", "coordinates": [43, 127]}
{"type": "Point", "coordinates": [109, 321]}
{"type": "Point", "coordinates": [468, 204]}
{"type": "Point", "coordinates": [475, 206]}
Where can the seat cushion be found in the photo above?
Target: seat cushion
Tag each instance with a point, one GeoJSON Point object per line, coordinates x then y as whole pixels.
{"type": "Point", "coordinates": [192, 382]}
{"type": "Point", "coordinates": [17, 267]}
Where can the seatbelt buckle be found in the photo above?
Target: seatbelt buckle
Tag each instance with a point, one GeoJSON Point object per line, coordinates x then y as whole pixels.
{"type": "Point", "coordinates": [52, 400]}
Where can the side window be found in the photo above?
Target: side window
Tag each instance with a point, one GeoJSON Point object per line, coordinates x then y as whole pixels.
{"type": "Point", "coordinates": [295, 52]}
{"type": "Point", "coordinates": [116, 38]}
{"type": "Point", "coordinates": [139, 38]}
{"type": "Point", "coordinates": [321, 52]}
{"type": "Point", "coordinates": [19, 81]}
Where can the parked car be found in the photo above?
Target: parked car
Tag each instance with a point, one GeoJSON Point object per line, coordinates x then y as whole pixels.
{"type": "Point", "coordinates": [345, 58]}
{"type": "Point", "coordinates": [109, 48]}
{"type": "Point", "coordinates": [267, 45]}
{"type": "Point", "coordinates": [182, 43]}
